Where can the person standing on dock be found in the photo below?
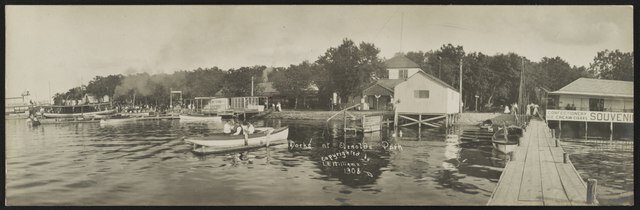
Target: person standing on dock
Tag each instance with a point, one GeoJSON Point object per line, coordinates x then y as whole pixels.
{"type": "Point", "coordinates": [506, 109]}
{"type": "Point", "coordinates": [528, 111]}
{"type": "Point", "coordinates": [514, 108]}
{"type": "Point", "coordinates": [279, 107]}
{"type": "Point", "coordinates": [535, 109]}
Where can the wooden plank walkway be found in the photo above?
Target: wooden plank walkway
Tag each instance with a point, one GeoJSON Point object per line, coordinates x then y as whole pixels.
{"type": "Point", "coordinates": [537, 174]}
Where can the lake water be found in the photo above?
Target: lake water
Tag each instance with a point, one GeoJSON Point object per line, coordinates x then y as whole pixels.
{"type": "Point", "coordinates": [147, 163]}
{"type": "Point", "coordinates": [611, 163]}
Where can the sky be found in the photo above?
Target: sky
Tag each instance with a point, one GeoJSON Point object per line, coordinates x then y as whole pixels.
{"type": "Point", "coordinates": [50, 49]}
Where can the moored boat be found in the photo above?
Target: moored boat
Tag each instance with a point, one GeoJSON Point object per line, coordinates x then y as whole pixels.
{"type": "Point", "coordinates": [506, 139]}
{"type": "Point", "coordinates": [72, 115]}
{"type": "Point", "coordinates": [116, 119]}
{"type": "Point", "coordinates": [225, 142]}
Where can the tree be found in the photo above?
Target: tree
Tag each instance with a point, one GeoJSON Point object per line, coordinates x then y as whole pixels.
{"type": "Point", "coordinates": [613, 65]}
{"type": "Point", "coordinates": [349, 68]}
{"type": "Point", "coordinates": [294, 81]}
{"type": "Point", "coordinates": [101, 86]}
{"type": "Point", "coordinates": [237, 82]}
{"type": "Point", "coordinates": [449, 57]}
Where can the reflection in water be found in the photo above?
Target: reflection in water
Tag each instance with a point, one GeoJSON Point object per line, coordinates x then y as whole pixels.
{"type": "Point", "coordinates": [146, 162]}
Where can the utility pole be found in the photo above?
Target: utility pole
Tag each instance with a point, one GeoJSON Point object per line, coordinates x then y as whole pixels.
{"type": "Point", "coordinates": [439, 67]}
{"type": "Point", "coordinates": [520, 90]}
{"type": "Point", "coordinates": [401, 28]}
{"type": "Point", "coordinates": [251, 85]}
{"type": "Point", "coordinates": [461, 105]}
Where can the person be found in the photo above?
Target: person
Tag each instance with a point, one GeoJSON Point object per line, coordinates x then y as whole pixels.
{"type": "Point", "coordinates": [248, 128]}
{"type": "Point", "coordinates": [535, 109]}
{"type": "Point", "coordinates": [279, 107]}
{"type": "Point", "coordinates": [227, 127]}
{"type": "Point", "coordinates": [237, 128]}
{"type": "Point", "coordinates": [506, 109]}
{"type": "Point", "coordinates": [528, 111]}
{"type": "Point", "coordinates": [514, 108]}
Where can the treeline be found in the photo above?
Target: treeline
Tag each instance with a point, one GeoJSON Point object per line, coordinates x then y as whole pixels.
{"type": "Point", "coordinates": [348, 68]}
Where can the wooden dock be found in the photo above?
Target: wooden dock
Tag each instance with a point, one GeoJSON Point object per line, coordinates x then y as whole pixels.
{"type": "Point", "coordinates": [538, 175]}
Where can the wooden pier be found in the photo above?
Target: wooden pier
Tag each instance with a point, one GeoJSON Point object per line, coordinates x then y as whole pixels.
{"type": "Point", "coordinates": [540, 173]}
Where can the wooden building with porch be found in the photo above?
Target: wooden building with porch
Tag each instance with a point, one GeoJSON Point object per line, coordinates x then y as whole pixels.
{"type": "Point", "coordinates": [415, 96]}
{"type": "Point", "coordinates": [379, 95]}
{"type": "Point", "coordinates": [592, 108]}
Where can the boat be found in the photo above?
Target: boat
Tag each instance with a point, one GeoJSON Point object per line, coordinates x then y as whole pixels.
{"type": "Point", "coordinates": [117, 119]}
{"type": "Point", "coordinates": [195, 117]}
{"type": "Point", "coordinates": [33, 121]}
{"type": "Point", "coordinates": [487, 124]}
{"type": "Point", "coordinates": [78, 111]}
{"type": "Point", "coordinates": [506, 139]}
{"type": "Point", "coordinates": [218, 143]}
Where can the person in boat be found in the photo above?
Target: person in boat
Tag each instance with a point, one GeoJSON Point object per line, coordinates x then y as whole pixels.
{"type": "Point", "coordinates": [237, 129]}
{"type": "Point", "coordinates": [248, 128]}
{"type": "Point", "coordinates": [228, 126]}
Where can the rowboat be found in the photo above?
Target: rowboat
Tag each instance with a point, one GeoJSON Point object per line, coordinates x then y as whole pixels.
{"type": "Point", "coordinates": [218, 143]}
{"type": "Point", "coordinates": [200, 118]}
{"type": "Point", "coordinates": [506, 139]}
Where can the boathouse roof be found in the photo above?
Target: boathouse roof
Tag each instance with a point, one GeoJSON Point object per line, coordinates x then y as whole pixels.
{"type": "Point", "coordinates": [400, 61]}
{"type": "Point", "coordinates": [598, 87]}
{"type": "Point", "coordinates": [382, 87]}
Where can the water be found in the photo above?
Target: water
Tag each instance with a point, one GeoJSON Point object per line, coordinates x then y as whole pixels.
{"type": "Point", "coordinates": [611, 163]}
{"type": "Point", "coordinates": [147, 163]}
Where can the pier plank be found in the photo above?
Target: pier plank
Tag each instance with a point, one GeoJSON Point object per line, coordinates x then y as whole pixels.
{"type": "Point", "coordinates": [552, 190]}
{"type": "Point", "coordinates": [531, 186]}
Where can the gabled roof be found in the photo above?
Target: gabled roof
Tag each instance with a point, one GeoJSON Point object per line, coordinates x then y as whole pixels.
{"type": "Point", "coordinates": [387, 84]}
{"type": "Point", "coordinates": [434, 79]}
{"type": "Point", "coordinates": [598, 87]}
{"type": "Point", "coordinates": [400, 61]}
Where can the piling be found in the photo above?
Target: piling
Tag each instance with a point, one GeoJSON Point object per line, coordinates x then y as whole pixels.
{"type": "Point", "coordinates": [592, 189]}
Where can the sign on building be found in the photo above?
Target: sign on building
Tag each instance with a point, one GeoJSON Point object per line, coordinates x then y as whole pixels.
{"type": "Point", "coordinates": [589, 116]}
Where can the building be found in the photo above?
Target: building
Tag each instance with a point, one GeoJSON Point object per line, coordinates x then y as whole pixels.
{"type": "Point", "coordinates": [412, 94]}
{"type": "Point", "coordinates": [379, 96]}
{"type": "Point", "coordinates": [439, 97]}
{"type": "Point", "coordinates": [425, 94]}
{"type": "Point", "coordinates": [602, 105]}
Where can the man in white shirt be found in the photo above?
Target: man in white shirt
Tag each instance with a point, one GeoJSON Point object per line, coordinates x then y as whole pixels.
{"type": "Point", "coordinates": [228, 126]}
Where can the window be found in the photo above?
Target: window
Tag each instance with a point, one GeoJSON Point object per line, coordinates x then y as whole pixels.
{"type": "Point", "coordinates": [596, 104]}
{"type": "Point", "coordinates": [421, 94]}
{"type": "Point", "coordinates": [404, 74]}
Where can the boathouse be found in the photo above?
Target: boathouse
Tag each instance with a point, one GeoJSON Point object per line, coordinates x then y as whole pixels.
{"type": "Point", "coordinates": [379, 95]}
{"type": "Point", "coordinates": [592, 108]}
{"type": "Point", "coordinates": [274, 96]}
{"type": "Point", "coordinates": [415, 96]}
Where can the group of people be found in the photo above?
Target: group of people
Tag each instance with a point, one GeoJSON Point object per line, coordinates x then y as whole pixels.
{"type": "Point", "coordinates": [532, 109]}
{"type": "Point", "coordinates": [276, 107]}
{"type": "Point", "coordinates": [234, 127]}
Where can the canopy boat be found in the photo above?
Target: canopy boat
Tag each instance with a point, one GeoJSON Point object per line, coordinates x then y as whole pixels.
{"type": "Point", "coordinates": [77, 111]}
{"type": "Point", "coordinates": [226, 142]}
{"type": "Point", "coordinates": [506, 139]}
{"type": "Point", "coordinates": [199, 117]}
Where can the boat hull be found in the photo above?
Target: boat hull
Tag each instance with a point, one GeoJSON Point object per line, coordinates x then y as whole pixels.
{"type": "Point", "coordinates": [228, 141]}
{"type": "Point", "coordinates": [508, 143]}
{"type": "Point", "coordinates": [72, 115]}
{"type": "Point", "coordinates": [504, 148]}
{"type": "Point", "coordinates": [200, 118]}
